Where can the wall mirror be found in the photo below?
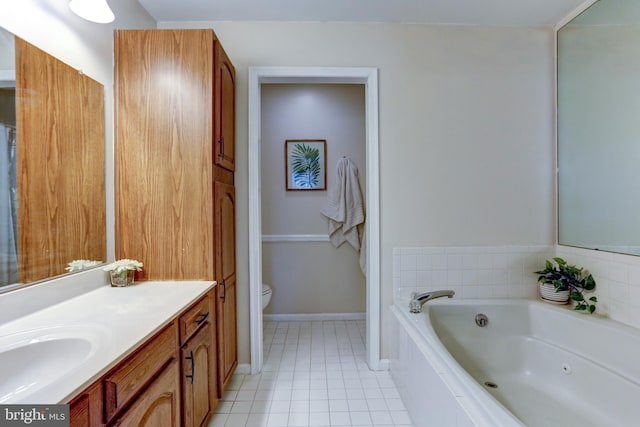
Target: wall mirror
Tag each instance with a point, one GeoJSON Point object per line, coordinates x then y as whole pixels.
{"type": "Point", "coordinates": [52, 189]}
{"type": "Point", "coordinates": [599, 128]}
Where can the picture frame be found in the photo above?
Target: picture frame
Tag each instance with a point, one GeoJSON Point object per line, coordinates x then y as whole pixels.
{"type": "Point", "coordinates": [305, 164]}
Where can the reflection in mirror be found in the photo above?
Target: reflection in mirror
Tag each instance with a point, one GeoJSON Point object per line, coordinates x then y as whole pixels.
{"type": "Point", "coordinates": [52, 207]}
{"type": "Point", "coordinates": [599, 128]}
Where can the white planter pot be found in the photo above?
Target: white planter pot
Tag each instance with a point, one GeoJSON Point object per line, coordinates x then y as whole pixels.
{"type": "Point", "coordinates": [548, 293]}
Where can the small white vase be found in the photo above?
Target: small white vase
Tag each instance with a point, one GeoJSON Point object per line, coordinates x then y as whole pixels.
{"type": "Point", "coordinates": [548, 293]}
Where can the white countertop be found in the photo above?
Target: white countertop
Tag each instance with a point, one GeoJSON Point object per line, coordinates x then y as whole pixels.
{"type": "Point", "coordinates": [115, 320]}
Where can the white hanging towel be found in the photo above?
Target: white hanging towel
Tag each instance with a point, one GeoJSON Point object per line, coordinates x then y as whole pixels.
{"type": "Point", "coordinates": [345, 209]}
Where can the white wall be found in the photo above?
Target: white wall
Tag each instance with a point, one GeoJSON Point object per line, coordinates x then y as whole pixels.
{"type": "Point", "coordinates": [84, 45]}
{"type": "Point", "coordinates": [309, 277]}
{"type": "Point", "coordinates": [466, 130]}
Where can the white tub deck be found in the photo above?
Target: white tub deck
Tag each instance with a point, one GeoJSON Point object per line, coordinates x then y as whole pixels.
{"type": "Point", "coordinates": [552, 366]}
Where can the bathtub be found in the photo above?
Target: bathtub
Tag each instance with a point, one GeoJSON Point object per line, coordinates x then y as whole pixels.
{"type": "Point", "coordinates": [533, 364]}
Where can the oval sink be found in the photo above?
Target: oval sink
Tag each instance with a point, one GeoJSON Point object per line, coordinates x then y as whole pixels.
{"type": "Point", "coordinates": [33, 359]}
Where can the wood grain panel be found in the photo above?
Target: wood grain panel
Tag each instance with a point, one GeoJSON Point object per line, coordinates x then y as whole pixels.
{"type": "Point", "coordinates": [60, 167]}
{"type": "Point", "coordinates": [164, 106]}
{"type": "Point", "coordinates": [224, 111]}
{"type": "Point", "coordinates": [225, 244]}
{"type": "Point", "coordinates": [159, 405]}
{"type": "Point", "coordinates": [85, 410]}
{"type": "Point", "coordinates": [198, 378]}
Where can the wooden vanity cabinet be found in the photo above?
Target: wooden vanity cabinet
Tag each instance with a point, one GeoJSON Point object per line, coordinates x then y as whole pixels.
{"type": "Point", "coordinates": [198, 374]}
{"type": "Point", "coordinates": [158, 405]}
{"type": "Point", "coordinates": [169, 381]}
{"type": "Point", "coordinates": [199, 364]}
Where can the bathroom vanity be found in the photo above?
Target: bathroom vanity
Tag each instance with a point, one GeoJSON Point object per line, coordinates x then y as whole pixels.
{"type": "Point", "coordinates": [168, 378]}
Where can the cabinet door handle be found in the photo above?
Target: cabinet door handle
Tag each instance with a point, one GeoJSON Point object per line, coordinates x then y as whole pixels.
{"type": "Point", "coordinates": [221, 143]}
{"type": "Point", "coordinates": [202, 318]}
{"type": "Point", "coordinates": [193, 366]}
{"type": "Point", "coordinates": [224, 290]}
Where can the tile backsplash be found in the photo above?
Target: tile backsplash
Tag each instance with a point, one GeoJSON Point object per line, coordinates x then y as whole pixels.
{"type": "Point", "coordinates": [617, 281]}
{"type": "Point", "coordinates": [507, 272]}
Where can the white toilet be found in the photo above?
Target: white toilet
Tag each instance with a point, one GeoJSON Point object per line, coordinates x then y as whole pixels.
{"type": "Point", "coordinates": [266, 295]}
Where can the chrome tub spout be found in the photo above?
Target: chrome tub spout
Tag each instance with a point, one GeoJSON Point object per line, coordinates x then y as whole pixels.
{"type": "Point", "coordinates": [417, 300]}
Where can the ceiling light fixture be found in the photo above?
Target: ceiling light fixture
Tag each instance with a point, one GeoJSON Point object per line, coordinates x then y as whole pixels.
{"type": "Point", "coordinates": [92, 10]}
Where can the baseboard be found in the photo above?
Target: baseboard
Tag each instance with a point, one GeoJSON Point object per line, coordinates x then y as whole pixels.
{"type": "Point", "coordinates": [383, 365]}
{"type": "Point", "coordinates": [243, 368]}
{"type": "Point", "coordinates": [313, 316]}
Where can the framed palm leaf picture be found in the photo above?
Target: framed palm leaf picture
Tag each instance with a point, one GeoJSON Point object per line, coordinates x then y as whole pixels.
{"type": "Point", "coordinates": [305, 161]}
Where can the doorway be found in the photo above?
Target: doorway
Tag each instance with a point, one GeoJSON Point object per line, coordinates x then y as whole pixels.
{"type": "Point", "coordinates": [315, 75]}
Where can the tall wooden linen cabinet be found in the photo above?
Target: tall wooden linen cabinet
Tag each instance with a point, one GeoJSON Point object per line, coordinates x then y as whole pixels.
{"type": "Point", "coordinates": [175, 161]}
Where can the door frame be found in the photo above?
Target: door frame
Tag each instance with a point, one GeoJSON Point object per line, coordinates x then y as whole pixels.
{"type": "Point", "coordinates": [368, 76]}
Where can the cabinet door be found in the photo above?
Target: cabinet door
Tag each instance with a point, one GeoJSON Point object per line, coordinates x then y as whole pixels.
{"type": "Point", "coordinates": [159, 404]}
{"type": "Point", "coordinates": [225, 230]}
{"type": "Point", "coordinates": [225, 117]}
{"type": "Point", "coordinates": [198, 378]}
{"type": "Point", "coordinates": [85, 410]}
{"type": "Point", "coordinates": [164, 110]}
{"type": "Point", "coordinates": [224, 201]}
{"type": "Point", "coordinates": [227, 333]}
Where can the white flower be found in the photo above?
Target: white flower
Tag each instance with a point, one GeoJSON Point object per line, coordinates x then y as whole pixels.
{"type": "Point", "coordinates": [123, 265]}
{"type": "Point", "coordinates": [81, 264]}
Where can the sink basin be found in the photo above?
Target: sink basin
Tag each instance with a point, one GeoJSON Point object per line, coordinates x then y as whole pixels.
{"type": "Point", "coordinates": [34, 359]}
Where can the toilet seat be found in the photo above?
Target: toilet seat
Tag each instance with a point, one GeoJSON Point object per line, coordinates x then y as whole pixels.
{"type": "Point", "coordinates": [266, 295]}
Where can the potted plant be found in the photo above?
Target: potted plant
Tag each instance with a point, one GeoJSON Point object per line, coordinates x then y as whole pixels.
{"type": "Point", "coordinates": [122, 271]}
{"type": "Point", "coordinates": [566, 282]}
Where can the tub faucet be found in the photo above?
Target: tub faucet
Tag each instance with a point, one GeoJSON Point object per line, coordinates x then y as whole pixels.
{"type": "Point", "coordinates": [417, 300]}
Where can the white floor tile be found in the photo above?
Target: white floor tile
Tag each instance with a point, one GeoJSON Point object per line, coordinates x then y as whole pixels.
{"type": "Point", "coordinates": [257, 420]}
{"type": "Point", "coordinates": [338, 406]}
{"type": "Point", "coordinates": [277, 420]}
{"type": "Point", "coordinates": [400, 417]}
{"type": "Point", "coordinates": [319, 419]}
{"type": "Point", "coordinates": [360, 418]}
{"type": "Point", "coordinates": [340, 418]}
{"type": "Point", "coordinates": [357, 405]}
{"type": "Point", "coordinates": [236, 420]}
{"type": "Point", "coordinates": [318, 406]}
{"type": "Point", "coordinates": [314, 374]}
{"type": "Point", "coordinates": [381, 418]}
{"type": "Point", "coordinates": [241, 407]}
{"type": "Point", "coordinates": [281, 406]}
{"type": "Point", "coordinates": [299, 419]}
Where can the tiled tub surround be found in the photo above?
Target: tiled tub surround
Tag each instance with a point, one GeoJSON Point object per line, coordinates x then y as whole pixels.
{"type": "Point", "coordinates": [617, 281]}
{"type": "Point", "coordinates": [507, 272]}
{"type": "Point", "coordinates": [471, 271]}
{"type": "Point", "coordinates": [531, 350]}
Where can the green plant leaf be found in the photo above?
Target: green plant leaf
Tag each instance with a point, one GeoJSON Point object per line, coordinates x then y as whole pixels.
{"type": "Point", "coordinates": [580, 307]}
{"type": "Point", "coordinates": [576, 296]}
{"type": "Point", "coordinates": [594, 299]}
{"type": "Point", "coordinates": [592, 308]}
{"type": "Point", "coordinates": [589, 283]}
{"type": "Point", "coordinates": [560, 261]}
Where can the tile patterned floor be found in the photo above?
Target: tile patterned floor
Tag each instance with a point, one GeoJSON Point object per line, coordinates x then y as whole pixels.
{"type": "Point", "coordinates": [314, 374]}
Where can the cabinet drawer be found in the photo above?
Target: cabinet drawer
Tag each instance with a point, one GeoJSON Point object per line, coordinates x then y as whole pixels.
{"type": "Point", "coordinates": [195, 317]}
{"type": "Point", "coordinates": [135, 373]}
